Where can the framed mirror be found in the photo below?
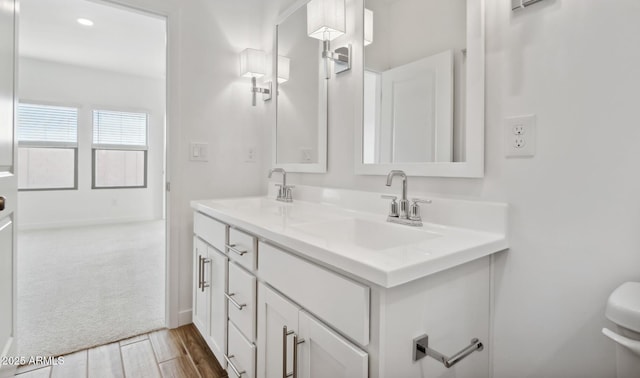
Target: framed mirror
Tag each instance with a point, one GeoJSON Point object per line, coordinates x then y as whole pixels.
{"type": "Point", "coordinates": [300, 135]}
{"type": "Point", "coordinates": [423, 88]}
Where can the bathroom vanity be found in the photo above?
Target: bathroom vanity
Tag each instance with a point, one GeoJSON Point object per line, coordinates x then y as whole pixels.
{"type": "Point", "coordinates": [325, 287]}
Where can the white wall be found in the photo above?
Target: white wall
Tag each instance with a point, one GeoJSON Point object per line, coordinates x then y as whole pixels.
{"type": "Point", "coordinates": [575, 206]}
{"type": "Point", "coordinates": [88, 89]}
{"type": "Point", "coordinates": [298, 97]}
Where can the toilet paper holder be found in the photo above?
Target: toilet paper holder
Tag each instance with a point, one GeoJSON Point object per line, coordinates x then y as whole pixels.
{"type": "Point", "coordinates": [421, 349]}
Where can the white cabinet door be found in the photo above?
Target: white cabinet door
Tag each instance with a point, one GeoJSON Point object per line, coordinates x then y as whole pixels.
{"type": "Point", "coordinates": [325, 354]}
{"type": "Point", "coordinates": [201, 294]}
{"type": "Point", "coordinates": [8, 187]}
{"type": "Point", "coordinates": [217, 271]}
{"type": "Point", "coordinates": [274, 313]}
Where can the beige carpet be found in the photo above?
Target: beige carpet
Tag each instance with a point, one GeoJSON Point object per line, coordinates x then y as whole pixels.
{"type": "Point", "coordinates": [85, 286]}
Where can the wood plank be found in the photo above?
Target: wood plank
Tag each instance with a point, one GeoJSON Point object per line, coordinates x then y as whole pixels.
{"type": "Point", "coordinates": [75, 366]}
{"type": "Point", "coordinates": [38, 373]}
{"type": "Point", "coordinates": [27, 368]}
{"type": "Point", "coordinates": [134, 339]}
{"type": "Point", "coordinates": [105, 362]}
{"type": "Point", "coordinates": [139, 361]}
{"type": "Point", "coordinates": [180, 367]}
{"type": "Point", "coordinates": [167, 345]}
{"type": "Point", "coordinates": [203, 359]}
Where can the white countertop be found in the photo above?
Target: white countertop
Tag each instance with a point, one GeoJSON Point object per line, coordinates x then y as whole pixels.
{"type": "Point", "coordinates": [359, 243]}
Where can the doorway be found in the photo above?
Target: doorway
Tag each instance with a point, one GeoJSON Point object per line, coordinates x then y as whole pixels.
{"type": "Point", "coordinates": [91, 174]}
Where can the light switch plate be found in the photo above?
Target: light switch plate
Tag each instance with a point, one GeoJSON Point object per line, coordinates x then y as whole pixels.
{"type": "Point", "coordinates": [198, 151]}
{"type": "Point", "coordinates": [520, 136]}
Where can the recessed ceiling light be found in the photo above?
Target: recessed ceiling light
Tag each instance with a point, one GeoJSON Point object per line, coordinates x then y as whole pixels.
{"type": "Point", "coordinates": [85, 22]}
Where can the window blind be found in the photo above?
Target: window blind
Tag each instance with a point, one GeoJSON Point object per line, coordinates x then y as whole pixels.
{"type": "Point", "coordinates": [119, 128]}
{"type": "Point", "coordinates": [45, 123]}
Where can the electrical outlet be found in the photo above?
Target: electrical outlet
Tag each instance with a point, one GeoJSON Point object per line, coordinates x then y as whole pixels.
{"type": "Point", "coordinates": [251, 155]}
{"type": "Point", "coordinates": [306, 154]}
{"type": "Point", "coordinates": [520, 136]}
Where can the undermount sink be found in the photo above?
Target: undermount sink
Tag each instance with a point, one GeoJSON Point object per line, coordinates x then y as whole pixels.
{"type": "Point", "coordinates": [366, 234]}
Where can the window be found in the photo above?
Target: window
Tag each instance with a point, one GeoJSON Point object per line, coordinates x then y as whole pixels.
{"type": "Point", "coordinates": [47, 147]}
{"type": "Point", "coordinates": [119, 149]}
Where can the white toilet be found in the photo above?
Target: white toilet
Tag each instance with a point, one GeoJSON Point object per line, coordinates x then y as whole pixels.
{"type": "Point", "coordinates": [623, 308]}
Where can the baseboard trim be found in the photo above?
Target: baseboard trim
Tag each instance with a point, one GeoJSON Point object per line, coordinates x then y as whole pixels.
{"type": "Point", "coordinates": [185, 317]}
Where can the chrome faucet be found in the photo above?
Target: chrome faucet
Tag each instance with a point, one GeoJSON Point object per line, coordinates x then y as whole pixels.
{"type": "Point", "coordinates": [404, 203]}
{"type": "Point", "coordinates": [408, 214]}
{"type": "Point", "coordinates": [284, 193]}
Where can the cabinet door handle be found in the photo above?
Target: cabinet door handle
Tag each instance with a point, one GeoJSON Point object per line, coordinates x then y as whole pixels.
{"type": "Point", "coordinates": [204, 282]}
{"type": "Point", "coordinates": [285, 333]}
{"type": "Point", "coordinates": [232, 247]}
{"type": "Point", "coordinates": [233, 367]}
{"type": "Point", "coordinates": [234, 302]}
{"type": "Point", "coordinates": [199, 271]}
{"type": "Point", "coordinates": [296, 342]}
{"type": "Point", "coordinates": [2, 202]}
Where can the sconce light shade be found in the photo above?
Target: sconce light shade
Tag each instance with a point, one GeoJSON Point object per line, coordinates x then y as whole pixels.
{"type": "Point", "coordinates": [325, 19]}
{"type": "Point", "coordinates": [368, 27]}
{"type": "Point", "coordinates": [283, 68]}
{"type": "Point", "coordinates": [252, 63]}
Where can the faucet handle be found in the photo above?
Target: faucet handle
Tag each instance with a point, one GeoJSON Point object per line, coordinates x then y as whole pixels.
{"type": "Point", "coordinates": [393, 207]}
{"type": "Point", "coordinates": [414, 209]}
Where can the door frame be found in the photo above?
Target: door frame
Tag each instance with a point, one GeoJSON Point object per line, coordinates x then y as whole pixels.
{"type": "Point", "coordinates": [168, 10]}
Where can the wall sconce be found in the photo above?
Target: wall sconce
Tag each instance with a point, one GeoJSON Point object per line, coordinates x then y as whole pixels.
{"type": "Point", "coordinates": [283, 69]}
{"type": "Point", "coordinates": [368, 27]}
{"type": "Point", "coordinates": [326, 22]}
{"type": "Point", "coordinates": [252, 63]}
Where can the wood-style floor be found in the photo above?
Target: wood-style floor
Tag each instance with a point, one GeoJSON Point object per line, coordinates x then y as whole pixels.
{"type": "Point", "coordinates": [174, 353]}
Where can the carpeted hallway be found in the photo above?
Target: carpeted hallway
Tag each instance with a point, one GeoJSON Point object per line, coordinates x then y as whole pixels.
{"type": "Point", "coordinates": [85, 286]}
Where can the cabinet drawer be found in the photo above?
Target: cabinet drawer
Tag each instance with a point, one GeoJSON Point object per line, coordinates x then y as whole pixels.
{"type": "Point", "coordinates": [210, 230]}
{"type": "Point", "coordinates": [242, 248]}
{"type": "Point", "coordinates": [242, 290]}
{"type": "Point", "coordinates": [241, 356]}
{"type": "Point", "coordinates": [337, 300]}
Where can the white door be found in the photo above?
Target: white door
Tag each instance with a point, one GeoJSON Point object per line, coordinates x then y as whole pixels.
{"type": "Point", "coordinates": [218, 272]}
{"type": "Point", "coordinates": [274, 313]}
{"type": "Point", "coordinates": [201, 296]}
{"type": "Point", "coordinates": [325, 354]}
{"type": "Point", "coordinates": [8, 187]}
{"type": "Point", "coordinates": [416, 117]}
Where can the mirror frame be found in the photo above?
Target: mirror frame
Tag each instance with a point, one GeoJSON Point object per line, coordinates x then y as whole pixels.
{"type": "Point", "coordinates": [321, 165]}
{"type": "Point", "coordinates": [473, 166]}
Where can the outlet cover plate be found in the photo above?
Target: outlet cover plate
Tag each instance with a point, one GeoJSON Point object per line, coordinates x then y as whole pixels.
{"type": "Point", "coordinates": [520, 136]}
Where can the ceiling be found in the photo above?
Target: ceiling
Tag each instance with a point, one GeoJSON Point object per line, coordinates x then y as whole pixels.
{"type": "Point", "coordinates": [121, 39]}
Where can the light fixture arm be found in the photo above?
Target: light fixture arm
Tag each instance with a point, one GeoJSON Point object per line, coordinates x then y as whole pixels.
{"type": "Point", "coordinates": [341, 58]}
{"type": "Point", "coordinates": [266, 92]}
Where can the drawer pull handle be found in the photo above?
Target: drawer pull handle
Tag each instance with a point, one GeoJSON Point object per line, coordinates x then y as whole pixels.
{"type": "Point", "coordinates": [234, 302]}
{"type": "Point", "coordinates": [233, 367]}
{"type": "Point", "coordinates": [232, 247]}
